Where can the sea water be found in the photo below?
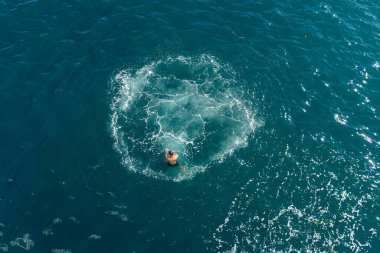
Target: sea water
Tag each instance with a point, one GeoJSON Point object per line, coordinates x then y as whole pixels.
{"type": "Point", "coordinates": [272, 107]}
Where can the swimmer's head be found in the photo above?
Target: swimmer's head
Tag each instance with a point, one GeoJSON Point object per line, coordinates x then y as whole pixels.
{"type": "Point", "coordinates": [171, 152]}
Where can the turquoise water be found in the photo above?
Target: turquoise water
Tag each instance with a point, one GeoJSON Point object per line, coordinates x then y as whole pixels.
{"type": "Point", "coordinates": [272, 107]}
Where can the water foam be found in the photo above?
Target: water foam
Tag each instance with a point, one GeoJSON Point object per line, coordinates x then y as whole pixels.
{"type": "Point", "coordinates": [193, 105]}
{"type": "Point", "coordinates": [23, 242]}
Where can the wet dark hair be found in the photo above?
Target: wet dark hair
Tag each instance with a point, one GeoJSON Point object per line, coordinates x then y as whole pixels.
{"type": "Point", "coordinates": [171, 152]}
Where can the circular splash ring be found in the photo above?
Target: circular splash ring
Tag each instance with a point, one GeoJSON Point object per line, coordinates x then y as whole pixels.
{"type": "Point", "coordinates": [192, 105]}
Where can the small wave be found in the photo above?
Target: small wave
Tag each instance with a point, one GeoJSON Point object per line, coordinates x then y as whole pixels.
{"type": "Point", "coordinates": [326, 221]}
{"type": "Point", "coordinates": [23, 242]}
{"type": "Point", "coordinates": [61, 251]}
{"type": "Point", "coordinates": [193, 105]}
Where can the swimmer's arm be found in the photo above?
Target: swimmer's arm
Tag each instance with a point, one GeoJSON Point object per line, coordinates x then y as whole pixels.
{"type": "Point", "coordinates": [166, 151]}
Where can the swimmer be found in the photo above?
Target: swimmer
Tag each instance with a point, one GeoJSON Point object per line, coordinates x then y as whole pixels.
{"type": "Point", "coordinates": [171, 158]}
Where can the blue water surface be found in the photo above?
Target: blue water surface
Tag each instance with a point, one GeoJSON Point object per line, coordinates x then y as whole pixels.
{"type": "Point", "coordinates": [272, 106]}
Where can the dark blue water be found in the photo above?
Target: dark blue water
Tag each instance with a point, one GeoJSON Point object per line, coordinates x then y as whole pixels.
{"type": "Point", "coordinates": [273, 108]}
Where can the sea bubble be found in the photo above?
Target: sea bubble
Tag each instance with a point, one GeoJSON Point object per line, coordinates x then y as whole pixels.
{"type": "Point", "coordinates": [193, 105]}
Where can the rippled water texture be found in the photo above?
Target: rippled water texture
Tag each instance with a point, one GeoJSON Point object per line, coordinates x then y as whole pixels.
{"type": "Point", "coordinates": [272, 106]}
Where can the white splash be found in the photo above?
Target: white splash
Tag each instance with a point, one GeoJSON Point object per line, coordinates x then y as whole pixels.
{"type": "Point", "coordinates": [193, 105]}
